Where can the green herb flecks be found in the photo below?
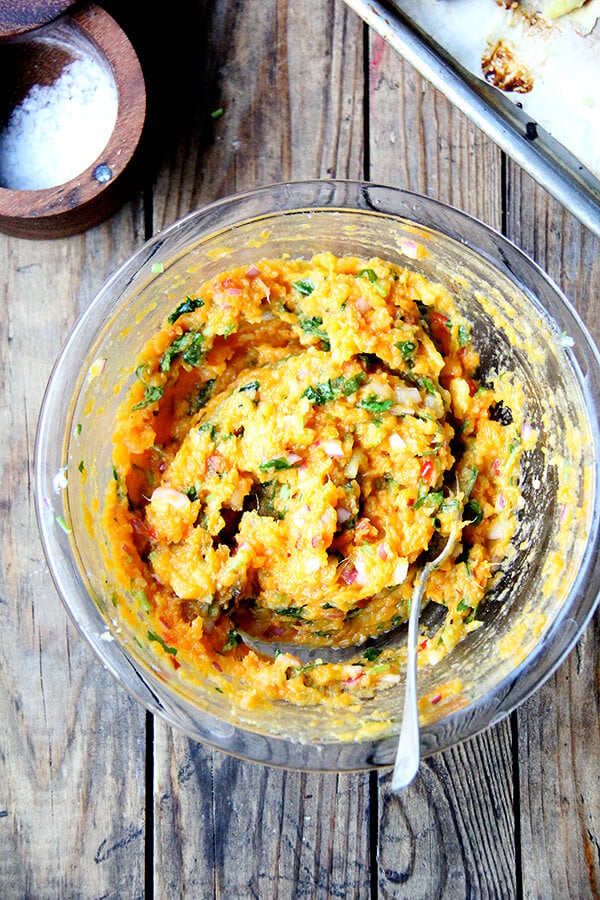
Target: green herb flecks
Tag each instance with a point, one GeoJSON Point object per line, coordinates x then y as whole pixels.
{"type": "Point", "coordinates": [251, 386]}
{"type": "Point", "coordinates": [407, 349]}
{"type": "Point", "coordinates": [189, 346]}
{"type": "Point", "coordinates": [428, 498]}
{"type": "Point", "coordinates": [464, 336]}
{"type": "Point", "coordinates": [304, 287]}
{"type": "Point", "coordinates": [233, 640]}
{"type": "Point", "coordinates": [371, 277]}
{"type": "Point", "coordinates": [372, 404]}
{"type": "Point", "coordinates": [188, 306]}
{"type": "Point", "coordinates": [280, 462]}
{"type": "Point", "coordinates": [293, 612]}
{"type": "Point", "coordinates": [157, 638]}
{"type": "Point", "coordinates": [152, 394]}
{"type": "Point", "coordinates": [473, 514]}
{"type": "Point", "coordinates": [312, 325]}
{"type": "Point", "coordinates": [157, 268]}
{"type": "Point", "coordinates": [333, 389]}
{"type": "Point", "coordinates": [202, 396]}
{"type": "Point", "coordinates": [371, 653]}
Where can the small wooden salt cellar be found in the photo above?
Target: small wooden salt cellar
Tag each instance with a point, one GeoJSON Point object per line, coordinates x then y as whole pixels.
{"type": "Point", "coordinates": [37, 38]}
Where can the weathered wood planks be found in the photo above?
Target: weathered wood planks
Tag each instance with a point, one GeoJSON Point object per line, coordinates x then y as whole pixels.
{"type": "Point", "coordinates": [450, 834]}
{"type": "Point", "coordinates": [72, 744]}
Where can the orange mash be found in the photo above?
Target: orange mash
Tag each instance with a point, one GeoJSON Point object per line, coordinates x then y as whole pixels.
{"type": "Point", "coordinates": [298, 435]}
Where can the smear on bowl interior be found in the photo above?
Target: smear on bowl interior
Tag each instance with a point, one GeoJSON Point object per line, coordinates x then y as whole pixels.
{"type": "Point", "coordinates": [298, 435]}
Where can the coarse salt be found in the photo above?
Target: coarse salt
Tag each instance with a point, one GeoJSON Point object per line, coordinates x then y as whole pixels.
{"type": "Point", "coordinates": [58, 130]}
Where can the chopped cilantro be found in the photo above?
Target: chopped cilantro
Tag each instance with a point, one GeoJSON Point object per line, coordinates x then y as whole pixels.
{"type": "Point", "coordinates": [471, 478]}
{"type": "Point", "coordinates": [234, 638]}
{"type": "Point", "coordinates": [372, 278]}
{"type": "Point", "coordinates": [203, 395]}
{"type": "Point", "coordinates": [191, 493]}
{"type": "Point", "coordinates": [152, 394]}
{"type": "Point", "coordinates": [278, 463]}
{"type": "Point", "coordinates": [473, 512]}
{"type": "Point", "coordinates": [251, 386]}
{"type": "Point", "coordinates": [372, 404]}
{"type": "Point", "coordinates": [312, 325]}
{"type": "Point", "coordinates": [294, 612]}
{"type": "Point", "coordinates": [189, 345]}
{"type": "Point", "coordinates": [305, 287]}
{"type": "Point", "coordinates": [81, 467]}
{"type": "Point", "coordinates": [425, 496]}
{"type": "Point", "coordinates": [78, 429]}
{"type": "Point", "coordinates": [188, 305]}
{"type": "Point", "coordinates": [352, 384]}
{"type": "Point", "coordinates": [463, 335]}
{"type": "Point", "coordinates": [159, 640]}
{"type": "Point", "coordinates": [371, 653]}
{"type": "Point", "coordinates": [428, 384]}
{"type": "Point", "coordinates": [463, 607]}
{"type": "Point", "coordinates": [471, 615]}
{"type": "Point", "coordinates": [407, 349]}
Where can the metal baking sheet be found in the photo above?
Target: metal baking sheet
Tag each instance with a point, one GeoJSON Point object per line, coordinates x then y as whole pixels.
{"type": "Point", "coordinates": [421, 31]}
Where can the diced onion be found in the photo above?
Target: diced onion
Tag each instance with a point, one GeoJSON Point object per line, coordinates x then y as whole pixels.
{"type": "Point", "coordinates": [363, 305]}
{"type": "Point", "coordinates": [410, 249]}
{"type": "Point", "coordinates": [351, 469]}
{"type": "Point", "coordinates": [343, 514]}
{"type": "Point", "coordinates": [171, 497]}
{"type": "Point", "coordinates": [252, 271]}
{"type": "Point", "coordinates": [499, 530]}
{"type": "Point", "coordinates": [400, 572]}
{"type": "Point", "coordinates": [526, 431]}
{"type": "Point", "coordinates": [332, 448]}
{"type": "Point", "coordinates": [293, 458]}
{"type": "Point", "coordinates": [408, 395]}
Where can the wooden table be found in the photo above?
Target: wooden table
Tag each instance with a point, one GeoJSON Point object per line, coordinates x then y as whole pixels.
{"type": "Point", "coordinates": [96, 798]}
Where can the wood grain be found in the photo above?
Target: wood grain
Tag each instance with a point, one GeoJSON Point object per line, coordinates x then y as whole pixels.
{"type": "Point", "coordinates": [435, 839]}
{"type": "Point", "coordinates": [71, 743]}
{"type": "Point", "coordinates": [289, 79]}
{"type": "Point", "coordinates": [559, 740]}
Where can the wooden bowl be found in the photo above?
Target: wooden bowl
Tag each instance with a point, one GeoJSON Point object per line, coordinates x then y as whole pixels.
{"type": "Point", "coordinates": [39, 57]}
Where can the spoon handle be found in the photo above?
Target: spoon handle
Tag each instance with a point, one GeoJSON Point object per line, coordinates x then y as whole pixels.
{"type": "Point", "coordinates": [408, 755]}
{"type": "Point", "coordinates": [409, 751]}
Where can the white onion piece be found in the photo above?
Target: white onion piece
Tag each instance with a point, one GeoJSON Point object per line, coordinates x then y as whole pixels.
{"type": "Point", "coordinates": [363, 305]}
{"type": "Point", "coordinates": [526, 431]}
{"type": "Point", "coordinates": [252, 271]}
{"type": "Point", "coordinates": [499, 530]}
{"type": "Point", "coordinates": [408, 395]}
{"type": "Point", "coordinates": [292, 459]}
{"type": "Point", "coordinates": [396, 442]}
{"type": "Point", "coordinates": [171, 497]}
{"type": "Point", "coordinates": [332, 448]}
{"type": "Point", "coordinates": [312, 564]}
{"type": "Point", "coordinates": [343, 514]}
{"type": "Point", "coordinates": [410, 249]}
{"type": "Point", "coordinates": [400, 572]}
{"type": "Point", "coordinates": [435, 403]}
{"type": "Point", "coordinates": [351, 469]}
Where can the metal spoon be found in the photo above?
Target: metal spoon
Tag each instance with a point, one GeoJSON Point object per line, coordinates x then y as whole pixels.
{"type": "Point", "coordinates": [408, 755]}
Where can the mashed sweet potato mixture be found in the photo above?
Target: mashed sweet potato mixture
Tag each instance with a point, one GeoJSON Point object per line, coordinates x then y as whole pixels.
{"type": "Point", "coordinates": [300, 434]}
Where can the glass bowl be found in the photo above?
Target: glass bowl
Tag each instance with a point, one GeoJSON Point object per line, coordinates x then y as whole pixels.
{"type": "Point", "coordinates": [545, 596]}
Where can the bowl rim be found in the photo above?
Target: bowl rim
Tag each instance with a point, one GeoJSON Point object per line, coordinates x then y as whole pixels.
{"type": "Point", "coordinates": [512, 690]}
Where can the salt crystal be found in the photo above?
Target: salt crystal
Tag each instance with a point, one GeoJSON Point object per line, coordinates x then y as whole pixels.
{"type": "Point", "coordinates": [58, 130]}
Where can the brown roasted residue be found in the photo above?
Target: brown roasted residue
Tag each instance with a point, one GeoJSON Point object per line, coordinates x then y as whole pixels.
{"type": "Point", "coordinates": [504, 71]}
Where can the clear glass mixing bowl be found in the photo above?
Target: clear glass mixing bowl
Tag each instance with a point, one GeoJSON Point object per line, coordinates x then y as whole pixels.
{"type": "Point", "coordinates": [522, 322]}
